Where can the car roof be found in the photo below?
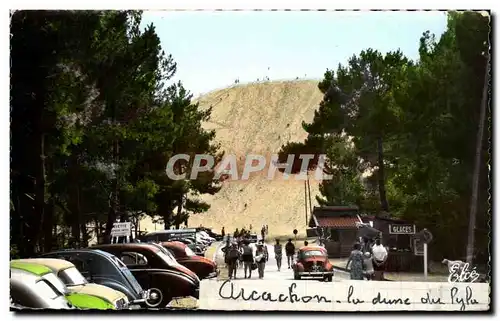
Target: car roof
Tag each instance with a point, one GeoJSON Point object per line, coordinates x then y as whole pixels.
{"type": "Point", "coordinates": [130, 246]}
{"type": "Point", "coordinates": [173, 244]}
{"type": "Point", "coordinates": [33, 268]}
{"type": "Point", "coordinates": [23, 276]}
{"type": "Point", "coordinates": [55, 265]}
{"type": "Point", "coordinates": [312, 248]}
{"type": "Point", "coordinates": [187, 230]}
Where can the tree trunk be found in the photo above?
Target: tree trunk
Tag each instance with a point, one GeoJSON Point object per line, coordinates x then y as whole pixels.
{"type": "Point", "coordinates": [48, 222]}
{"type": "Point", "coordinates": [74, 202]}
{"type": "Point", "coordinates": [477, 168]}
{"type": "Point", "coordinates": [113, 209]}
{"type": "Point", "coordinates": [85, 235]}
{"type": "Point", "coordinates": [178, 217]}
{"type": "Point", "coordinates": [381, 176]}
{"type": "Point", "coordinates": [39, 207]}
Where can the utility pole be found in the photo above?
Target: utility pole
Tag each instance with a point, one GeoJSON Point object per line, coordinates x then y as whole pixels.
{"type": "Point", "coordinates": [309, 193]}
{"type": "Point", "coordinates": [477, 166]}
{"type": "Point", "coordinates": [305, 199]}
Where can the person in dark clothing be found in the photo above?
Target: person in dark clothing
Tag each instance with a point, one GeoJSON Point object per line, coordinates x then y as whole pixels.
{"type": "Point", "coordinates": [247, 258]}
{"type": "Point", "coordinates": [261, 259]}
{"type": "Point", "coordinates": [232, 259]}
{"type": "Point", "coordinates": [306, 243]}
{"type": "Point", "coordinates": [263, 233]}
{"type": "Point", "coordinates": [290, 251]}
{"type": "Point", "coordinates": [278, 253]}
{"type": "Point", "coordinates": [223, 232]}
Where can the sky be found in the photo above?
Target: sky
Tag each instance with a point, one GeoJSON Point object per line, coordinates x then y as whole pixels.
{"type": "Point", "coordinates": [213, 49]}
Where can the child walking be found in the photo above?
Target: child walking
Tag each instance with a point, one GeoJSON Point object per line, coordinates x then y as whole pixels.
{"type": "Point", "coordinates": [368, 265]}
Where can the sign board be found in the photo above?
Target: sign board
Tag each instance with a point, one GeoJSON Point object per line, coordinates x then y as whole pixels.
{"type": "Point", "coordinates": [418, 247]}
{"type": "Point", "coordinates": [402, 229]}
{"type": "Point", "coordinates": [121, 229]}
{"type": "Point", "coordinates": [289, 295]}
{"type": "Point", "coordinates": [295, 232]}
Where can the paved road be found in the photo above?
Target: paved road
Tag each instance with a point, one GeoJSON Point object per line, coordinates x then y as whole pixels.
{"type": "Point", "coordinates": [271, 271]}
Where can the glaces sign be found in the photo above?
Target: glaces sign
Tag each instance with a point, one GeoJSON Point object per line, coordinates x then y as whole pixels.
{"type": "Point", "coordinates": [402, 229]}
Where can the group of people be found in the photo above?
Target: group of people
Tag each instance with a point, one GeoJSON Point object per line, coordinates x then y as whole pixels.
{"type": "Point", "coordinates": [255, 258]}
{"type": "Point", "coordinates": [244, 233]}
{"type": "Point", "coordinates": [367, 260]}
{"type": "Point", "coordinates": [251, 258]}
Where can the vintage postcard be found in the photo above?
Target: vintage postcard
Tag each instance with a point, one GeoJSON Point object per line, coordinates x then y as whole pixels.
{"type": "Point", "coordinates": [250, 160]}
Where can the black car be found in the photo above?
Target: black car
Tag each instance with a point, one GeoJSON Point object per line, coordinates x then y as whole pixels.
{"type": "Point", "coordinates": [106, 269]}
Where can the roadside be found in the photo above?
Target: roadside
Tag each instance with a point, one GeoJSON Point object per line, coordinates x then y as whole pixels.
{"type": "Point", "coordinates": [213, 253]}
{"type": "Point", "coordinates": [340, 263]}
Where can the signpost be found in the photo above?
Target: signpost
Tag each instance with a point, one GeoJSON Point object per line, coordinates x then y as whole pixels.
{"type": "Point", "coordinates": [402, 229]}
{"type": "Point", "coordinates": [121, 229]}
{"type": "Point", "coordinates": [426, 237]}
{"type": "Point", "coordinates": [295, 233]}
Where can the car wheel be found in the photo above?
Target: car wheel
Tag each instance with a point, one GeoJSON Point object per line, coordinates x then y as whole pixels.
{"type": "Point", "coordinates": [330, 278]}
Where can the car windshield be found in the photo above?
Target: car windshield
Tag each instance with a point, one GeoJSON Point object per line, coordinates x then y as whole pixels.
{"type": "Point", "coordinates": [167, 257]}
{"type": "Point", "coordinates": [72, 276]}
{"type": "Point", "coordinates": [312, 253]}
{"type": "Point", "coordinates": [127, 274]}
{"type": "Point", "coordinates": [45, 290]}
{"type": "Point", "coordinates": [189, 252]}
{"type": "Point", "coordinates": [56, 282]}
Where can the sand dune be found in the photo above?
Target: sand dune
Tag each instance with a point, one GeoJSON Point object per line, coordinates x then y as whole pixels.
{"type": "Point", "coordinates": [258, 119]}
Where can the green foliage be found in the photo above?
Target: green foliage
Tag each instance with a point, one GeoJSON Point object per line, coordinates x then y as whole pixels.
{"type": "Point", "coordinates": [413, 126]}
{"type": "Point", "coordinates": [93, 126]}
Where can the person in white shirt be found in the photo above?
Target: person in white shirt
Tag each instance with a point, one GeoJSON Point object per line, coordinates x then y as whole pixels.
{"type": "Point", "coordinates": [379, 253]}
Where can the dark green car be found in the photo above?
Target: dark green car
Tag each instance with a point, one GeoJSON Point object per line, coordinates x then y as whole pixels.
{"type": "Point", "coordinates": [79, 300]}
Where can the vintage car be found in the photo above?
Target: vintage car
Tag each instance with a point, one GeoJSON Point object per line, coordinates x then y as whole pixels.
{"type": "Point", "coordinates": [79, 300]}
{"type": "Point", "coordinates": [217, 237]}
{"type": "Point", "coordinates": [76, 282]}
{"type": "Point", "coordinates": [203, 267]}
{"type": "Point", "coordinates": [312, 261]}
{"type": "Point", "coordinates": [155, 269]}
{"type": "Point", "coordinates": [29, 290]}
{"type": "Point", "coordinates": [106, 269]}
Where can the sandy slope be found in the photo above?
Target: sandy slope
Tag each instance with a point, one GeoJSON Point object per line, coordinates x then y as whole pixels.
{"type": "Point", "coordinates": [258, 119]}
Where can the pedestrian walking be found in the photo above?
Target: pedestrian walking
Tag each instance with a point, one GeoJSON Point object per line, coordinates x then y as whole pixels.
{"type": "Point", "coordinates": [247, 258]}
{"type": "Point", "coordinates": [368, 266]}
{"type": "Point", "coordinates": [290, 251]}
{"type": "Point", "coordinates": [267, 229]}
{"type": "Point", "coordinates": [356, 260]}
{"type": "Point", "coordinates": [278, 253]}
{"type": "Point", "coordinates": [260, 259]}
{"type": "Point", "coordinates": [263, 233]}
{"type": "Point", "coordinates": [232, 260]}
{"type": "Point", "coordinates": [223, 232]}
{"type": "Point", "coordinates": [380, 255]}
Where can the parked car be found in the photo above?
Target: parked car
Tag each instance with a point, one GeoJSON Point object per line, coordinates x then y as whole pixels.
{"type": "Point", "coordinates": [156, 269]}
{"type": "Point", "coordinates": [198, 250]}
{"type": "Point", "coordinates": [253, 238]}
{"type": "Point", "coordinates": [204, 236]}
{"type": "Point", "coordinates": [312, 261]}
{"type": "Point", "coordinates": [79, 300]}
{"type": "Point", "coordinates": [30, 290]}
{"type": "Point", "coordinates": [106, 269]}
{"type": "Point", "coordinates": [167, 235]}
{"type": "Point", "coordinates": [203, 267]}
{"type": "Point", "coordinates": [217, 237]}
{"type": "Point", "coordinates": [76, 282]}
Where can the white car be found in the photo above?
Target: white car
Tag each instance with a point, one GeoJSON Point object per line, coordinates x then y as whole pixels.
{"type": "Point", "coordinates": [206, 236]}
